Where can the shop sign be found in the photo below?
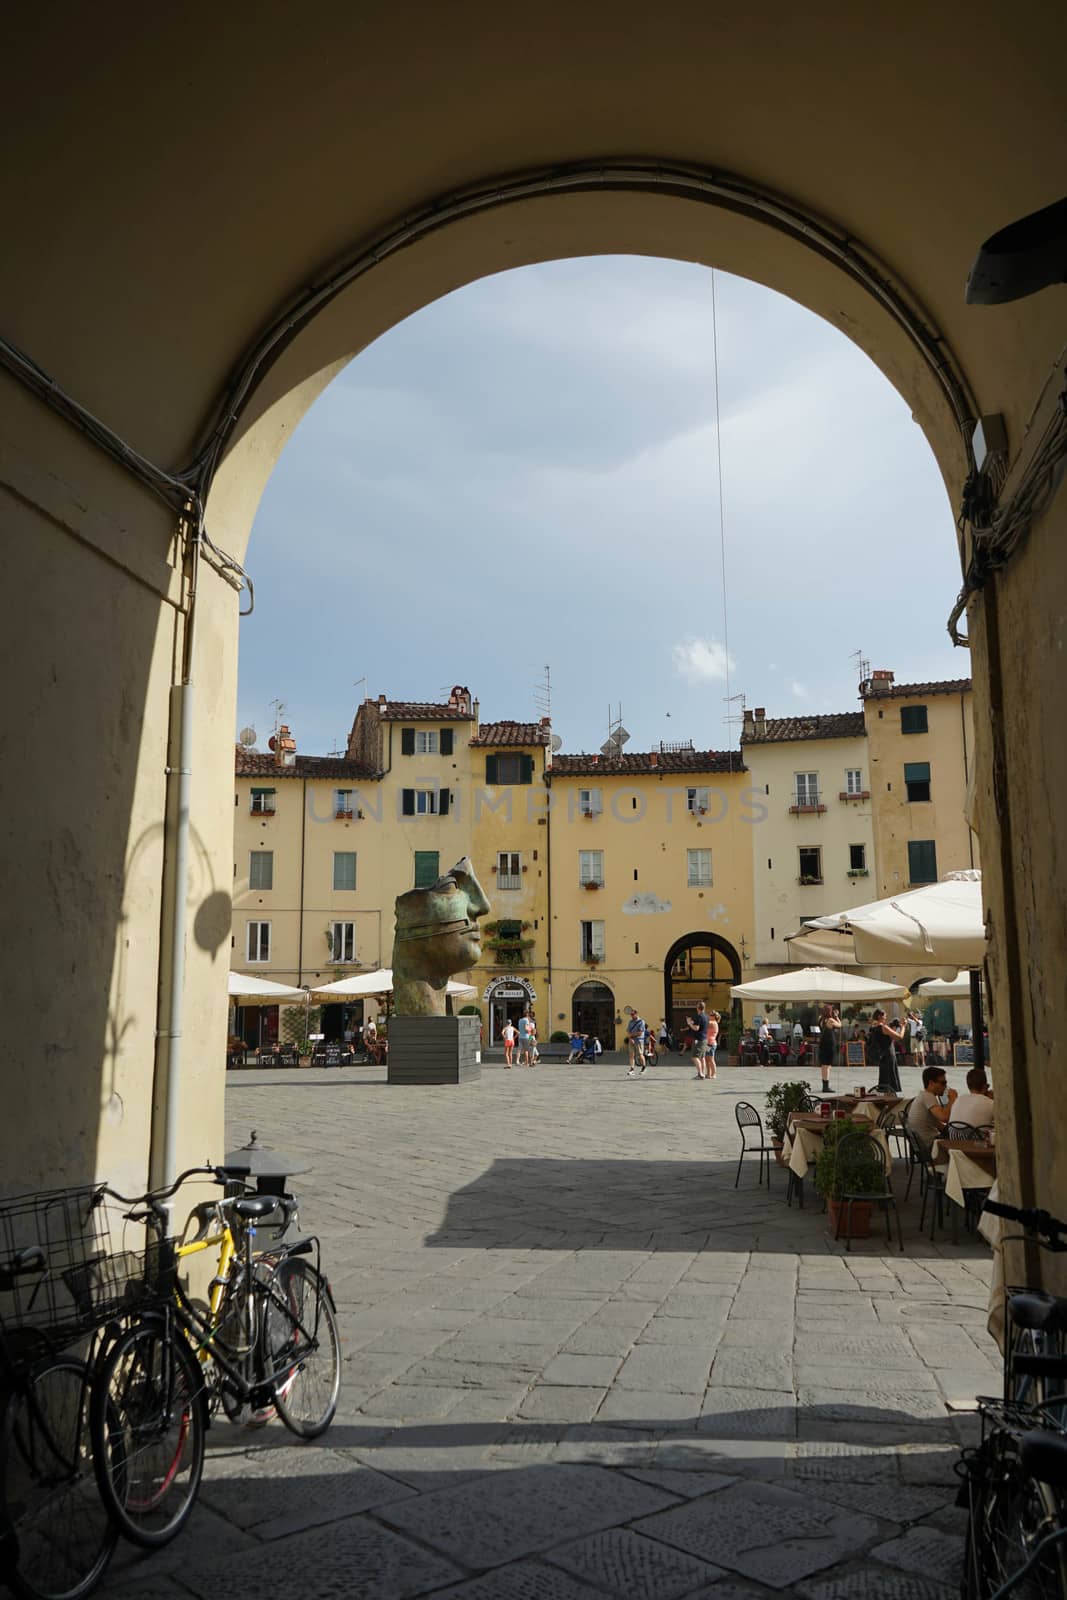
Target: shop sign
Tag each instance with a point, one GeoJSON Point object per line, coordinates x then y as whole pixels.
{"type": "Point", "coordinates": [509, 989]}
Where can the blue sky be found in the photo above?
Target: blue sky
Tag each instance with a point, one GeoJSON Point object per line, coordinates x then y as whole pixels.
{"type": "Point", "coordinates": [524, 473]}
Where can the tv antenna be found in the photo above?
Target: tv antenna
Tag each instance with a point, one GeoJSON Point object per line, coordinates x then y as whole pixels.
{"type": "Point", "coordinates": [863, 666]}
{"type": "Point", "coordinates": [731, 700]}
{"type": "Point", "coordinates": [279, 713]}
{"type": "Point", "coordinates": [617, 735]}
{"type": "Point", "coordinates": [543, 693]}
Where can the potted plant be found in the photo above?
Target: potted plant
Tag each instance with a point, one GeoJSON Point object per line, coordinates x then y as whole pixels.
{"type": "Point", "coordinates": [782, 1100]}
{"type": "Point", "coordinates": [852, 1170]}
{"type": "Point", "coordinates": [592, 883]}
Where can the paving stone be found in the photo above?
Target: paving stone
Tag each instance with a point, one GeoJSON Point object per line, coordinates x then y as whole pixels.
{"type": "Point", "coordinates": [411, 1400]}
{"type": "Point", "coordinates": [683, 1482]}
{"type": "Point", "coordinates": [692, 1331]}
{"type": "Point", "coordinates": [929, 1552]}
{"type": "Point", "coordinates": [665, 1369]}
{"type": "Point", "coordinates": [440, 1374]}
{"type": "Point", "coordinates": [522, 1580]}
{"type": "Point", "coordinates": [872, 1582]}
{"type": "Point", "coordinates": [841, 1375]}
{"type": "Point", "coordinates": [893, 1502]}
{"type": "Point", "coordinates": [764, 1532]}
{"type": "Point", "coordinates": [749, 1334]}
{"type": "Point", "coordinates": [276, 1492]}
{"type": "Point", "coordinates": [607, 1445]}
{"type": "Point", "coordinates": [752, 1369]}
{"type": "Point", "coordinates": [511, 1514]}
{"type": "Point", "coordinates": [875, 1403]}
{"type": "Point", "coordinates": [749, 1413]}
{"type": "Point", "coordinates": [639, 1408]}
{"type": "Point", "coordinates": [356, 1556]}
{"type": "Point", "coordinates": [633, 1565]}
{"type": "Point", "coordinates": [560, 1403]}
{"type": "Point", "coordinates": [575, 1370]}
{"type": "Point", "coordinates": [599, 1341]}
{"type": "Point", "coordinates": [534, 1331]}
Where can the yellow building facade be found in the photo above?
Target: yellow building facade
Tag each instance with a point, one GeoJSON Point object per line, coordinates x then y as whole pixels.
{"type": "Point", "coordinates": [920, 738]}
{"type": "Point", "coordinates": [813, 849]}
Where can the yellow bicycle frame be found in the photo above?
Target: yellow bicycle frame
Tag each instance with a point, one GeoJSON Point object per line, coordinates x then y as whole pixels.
{"type": "Point", "coordinates": [223, 1237]}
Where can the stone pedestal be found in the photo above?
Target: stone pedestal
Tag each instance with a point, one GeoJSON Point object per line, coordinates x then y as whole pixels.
{"type": "Point", "coordinates": [434, 1049]}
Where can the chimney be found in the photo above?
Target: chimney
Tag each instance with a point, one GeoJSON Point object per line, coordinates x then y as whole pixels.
{"type": "Point", "coordinates": [284, 747]}
{"type": "Point", "coordinates": [382, 702]}
{"type": "Point", "coordinates": [881, 682]}
{"type": "Point", "coordinates": [760, 720]}
{"type": "Point", "coordinates": [546, 722]}
{"type": "Point", "coordinates": [653, 758]}
{"type": "Point", "coordinates": [749, 723]}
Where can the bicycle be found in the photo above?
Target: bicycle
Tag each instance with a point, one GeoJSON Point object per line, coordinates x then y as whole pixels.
{"type": "Point", "coordinates": [1015, 1481]}
{"type": "Point", "coordinates": [269, 1337]}
{"type": "Point", "coordinates": [56, 1538]}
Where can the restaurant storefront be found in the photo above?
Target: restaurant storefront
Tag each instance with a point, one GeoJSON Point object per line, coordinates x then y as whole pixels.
{"type": "Point", "coordinates": [507, 999]}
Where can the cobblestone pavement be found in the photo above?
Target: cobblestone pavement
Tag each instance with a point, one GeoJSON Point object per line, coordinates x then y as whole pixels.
{"type": "Point", "coordinates": [578, 1361]}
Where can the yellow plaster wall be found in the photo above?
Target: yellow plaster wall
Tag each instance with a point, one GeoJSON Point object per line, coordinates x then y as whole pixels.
{"type": "Point", "coordinates": [948, 746]}
{"type": "Point", "coordinates": [781, 902]}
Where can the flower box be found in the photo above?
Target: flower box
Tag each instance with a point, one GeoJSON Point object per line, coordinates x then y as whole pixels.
{"type": "Point", "coordinates": [592, 884]}
{"type": "Point", "coordinates": [809, 880]}
{"type": "Point", "coordinates": [343, 816]}
{"type": "Point", "coordinates": [797, 810]}
{"type": "Point", "coordinates": [858, 872]}
{"type": "Point", "coordinates": [864, 794]}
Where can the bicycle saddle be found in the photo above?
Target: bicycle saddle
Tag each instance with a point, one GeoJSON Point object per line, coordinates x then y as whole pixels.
{"type": "Point", "coordinates": [1044, 1456]}
{"type": "Point", "coordinates": [1044, 1313]}
{"type": "Point", "coordinates": [256, 1205]}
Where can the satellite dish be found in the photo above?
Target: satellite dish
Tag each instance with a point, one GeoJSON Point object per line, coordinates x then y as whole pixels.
{"type": "Point", "coordinates": [557, 743]}
{"type": "Point", "coordinates": [609, 748]}
{"type": "Point", "coordinates": [620, 736]}
{"type": "Point", "coordinates": [247, 737]}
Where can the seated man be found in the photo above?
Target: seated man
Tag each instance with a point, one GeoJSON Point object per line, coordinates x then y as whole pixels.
{"type": "Point", "coordinates": [927, 1115]}
{"type": "Point", "coordinates": [976, 1106]}
{"type": "Point", "coordinates": [577, 1046]}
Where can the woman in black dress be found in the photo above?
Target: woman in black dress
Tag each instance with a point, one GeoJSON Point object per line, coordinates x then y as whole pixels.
{"type": "Point", "coordinates": [830, 1027]}
{"type": "Point", "coordinates": [882, 1050]}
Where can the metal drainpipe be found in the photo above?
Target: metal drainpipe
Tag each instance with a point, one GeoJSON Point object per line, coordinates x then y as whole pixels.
{"type": "Point", "coordinates": [180, 887]}
{"type": "Point", "coordinates": [548, 899]}
{"type": "Point", "coordinates": [300, 924]}
{"type": "Point", "coordinates": [966, 775]}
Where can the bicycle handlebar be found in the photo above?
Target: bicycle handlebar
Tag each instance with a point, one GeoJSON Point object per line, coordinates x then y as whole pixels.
{"type": "Point", "coordinates": [1032, 1220]}
{"type": "Point", "coordinates": [155, 1197]}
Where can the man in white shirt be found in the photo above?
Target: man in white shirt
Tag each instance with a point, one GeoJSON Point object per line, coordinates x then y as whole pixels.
{"type": "Point", "coordinates": [976, 1106]}
{"type": "Point", "coordinates": [763, 1042]}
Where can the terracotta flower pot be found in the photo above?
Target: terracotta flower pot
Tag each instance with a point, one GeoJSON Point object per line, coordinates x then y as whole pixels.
{"type": "Point", "coordinates": [861, 1217]}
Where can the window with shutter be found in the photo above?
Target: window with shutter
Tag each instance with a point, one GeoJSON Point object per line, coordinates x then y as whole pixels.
{"type": "Point", "coordinates": [590, 866]}
{"type": "Point", "coordinates": [592, 941]}
{"type": "Point", "coordinates": [492, 764]}
{"type": "Point", "coordinates": [917, 779]}
{"type": "Point", "coordinates": [922, 860]}
{"type": "Point", "coordinates": [407, 802]}
{"type": "Point", "coordinates": [913, 719]}
{"type": "Point", "coordinates": [261, 802]}
{"type": "Point", "coordinates": [426, 742]}
{"type": "Point", "coordinates": [698, 869]}
{"type": "Point", "coordinates": [427, 868]}
{"type": "Point", "coordinates": [261, 869]}
{"type": "Point", "coordinates": [446, 741]}
{"type": "Point", "coordinates": [344, 869]}
{"type": "Point", "coordinates": [589, 802]}
{"type": "Point", "coordinates": [258, 946]}
{"type": "Point", "coordinates": [444, 799]}
{"type": "Point", "coordinates": [407, 741]}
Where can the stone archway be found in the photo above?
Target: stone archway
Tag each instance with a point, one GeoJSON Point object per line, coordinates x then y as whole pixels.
{"type": "Point", "coordinates": [698, 966]}
{"type": "Point", "coordinates": [322, 144]}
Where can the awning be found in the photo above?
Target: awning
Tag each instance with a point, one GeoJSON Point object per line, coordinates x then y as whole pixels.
{"type": "Point", "coordinates": [940, 925]}
{"type": "Point", "coordinates": [250, 991]}
{"type": "Point", "coordinates": [365, 985]}
{"type": "Point", "coordinates": [818, 983]}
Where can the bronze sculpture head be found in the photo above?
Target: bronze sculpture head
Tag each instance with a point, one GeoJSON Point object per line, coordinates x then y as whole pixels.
{"type": "Point", "coordinates": [436, 935]}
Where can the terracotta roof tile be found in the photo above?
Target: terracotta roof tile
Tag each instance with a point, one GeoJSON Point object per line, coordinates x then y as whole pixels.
{"type": "Point", "coordinates": [421, 711]}
{"type": "Point", "coordinates": [908, 691]}
{"type": "Point", "coordinates": [674, 761]}
{"type": "Point", "coordinates": [511, 733]}
{"type": "Point", "coordinates": [786, 730]}
{"type": "Point", "coordinates": [256, 764]}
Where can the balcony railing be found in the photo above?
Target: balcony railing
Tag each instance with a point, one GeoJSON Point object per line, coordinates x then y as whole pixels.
{"type": "Point", "coordinates": [509, 880]}
{"type": "Point", "coordinates": [810, 800]}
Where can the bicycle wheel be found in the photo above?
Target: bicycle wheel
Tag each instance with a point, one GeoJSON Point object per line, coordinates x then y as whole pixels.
{"type": "Point", "coordinates": [1016, 1513]}
{"type": "Point", "coordinates": [60, 1537]}
{"type": "Point", "coordinates": [300, 1350]}
{"type": "Point", "coordinates": [149, 1417]}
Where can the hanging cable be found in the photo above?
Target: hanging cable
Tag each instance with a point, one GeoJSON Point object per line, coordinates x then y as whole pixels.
{"type": "Point", "coordinates": [722, 502]}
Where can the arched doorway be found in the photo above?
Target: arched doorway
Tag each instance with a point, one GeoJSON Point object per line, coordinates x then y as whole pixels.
{"type": "Point", "coordinates": [507, 999]}
{"type": "Point", "coordinates": [699, 966]}
{"type": "Point", "coordinates": [593, 1012]}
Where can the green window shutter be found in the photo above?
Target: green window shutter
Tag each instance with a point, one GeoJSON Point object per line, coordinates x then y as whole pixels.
{"type": "Point", "coordinates": [407, 802]}
{"type": "Point", "coordinates": [526, 769]}
{"type": "Point", "coordinates": [922, 860]}
{"type": "Point", "coordinates": [264, 791]}
{"type": "Point", "coordinates": [344, 869]}
{"type": "Point", "coordinates": [446, 741]}
{"type": "Point", "coordinates": [427, 868]}
{"type": "Point", "coordinates": [442, 802]}
{"type": "Point", "coordinates": [491, 765]}
{"type": "Point", "coordinates": [913, 719]}
{"type": "Point", "coordinates": [916, 772]}
{"type": "Point", "coordinates": [407, 741]}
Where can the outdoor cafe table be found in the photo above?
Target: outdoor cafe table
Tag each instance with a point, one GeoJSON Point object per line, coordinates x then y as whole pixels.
{"type": "Point", "coordinates": [862, 1105]}
{"type": "Point", "coordinates": [971, 1165]}
{"type": "Point", "coordinates": [802, 1144]}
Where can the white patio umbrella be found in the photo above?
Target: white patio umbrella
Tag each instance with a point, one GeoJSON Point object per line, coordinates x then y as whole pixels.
{"type": "Point", "coordinates": [249, 991]}
{"type": "Point", "coordinates": [818, 983]}
{"type": "Point", "coordinates": [957, 988]}
{"type": "Point", "coordinates": [364, 985]}
{"type": "Point", "coordinates": [939, 925]}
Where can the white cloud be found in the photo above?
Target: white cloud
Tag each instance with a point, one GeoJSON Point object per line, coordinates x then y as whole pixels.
{"type": "Point", "coordinates": [702, 661]}
{"type": "Point", "coordinates": [798, 689]}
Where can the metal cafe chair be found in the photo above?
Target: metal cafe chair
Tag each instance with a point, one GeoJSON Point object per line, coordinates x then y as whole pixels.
{"type": "Point", "coordinates": [880, 1195]}
{"type": "Point", "coordinates": [931, 1182]}
{"type": "Point", "coordinates": [753, 1140]}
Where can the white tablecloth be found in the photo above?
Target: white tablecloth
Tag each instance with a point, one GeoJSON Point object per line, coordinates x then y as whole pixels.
{"type": "Point", "coordinates": [966, 1172]}
{"type": "Point", "coordinates": [802, 1147]}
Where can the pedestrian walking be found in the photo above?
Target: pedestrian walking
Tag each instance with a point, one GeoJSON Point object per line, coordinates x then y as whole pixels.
{"type": "Point", "coordinates": [509, 1034]}
{"type": "Point", "coordinates": [635, 1041]}
{"type": "Point", "coordinates": [829, 1029]}
{"type": "Point", "coordinates": [698, 1026]}
{"type": "Point", "coordinates": [713, 1042]}
{"type": "Point", "coordinates": [525, 1040]}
